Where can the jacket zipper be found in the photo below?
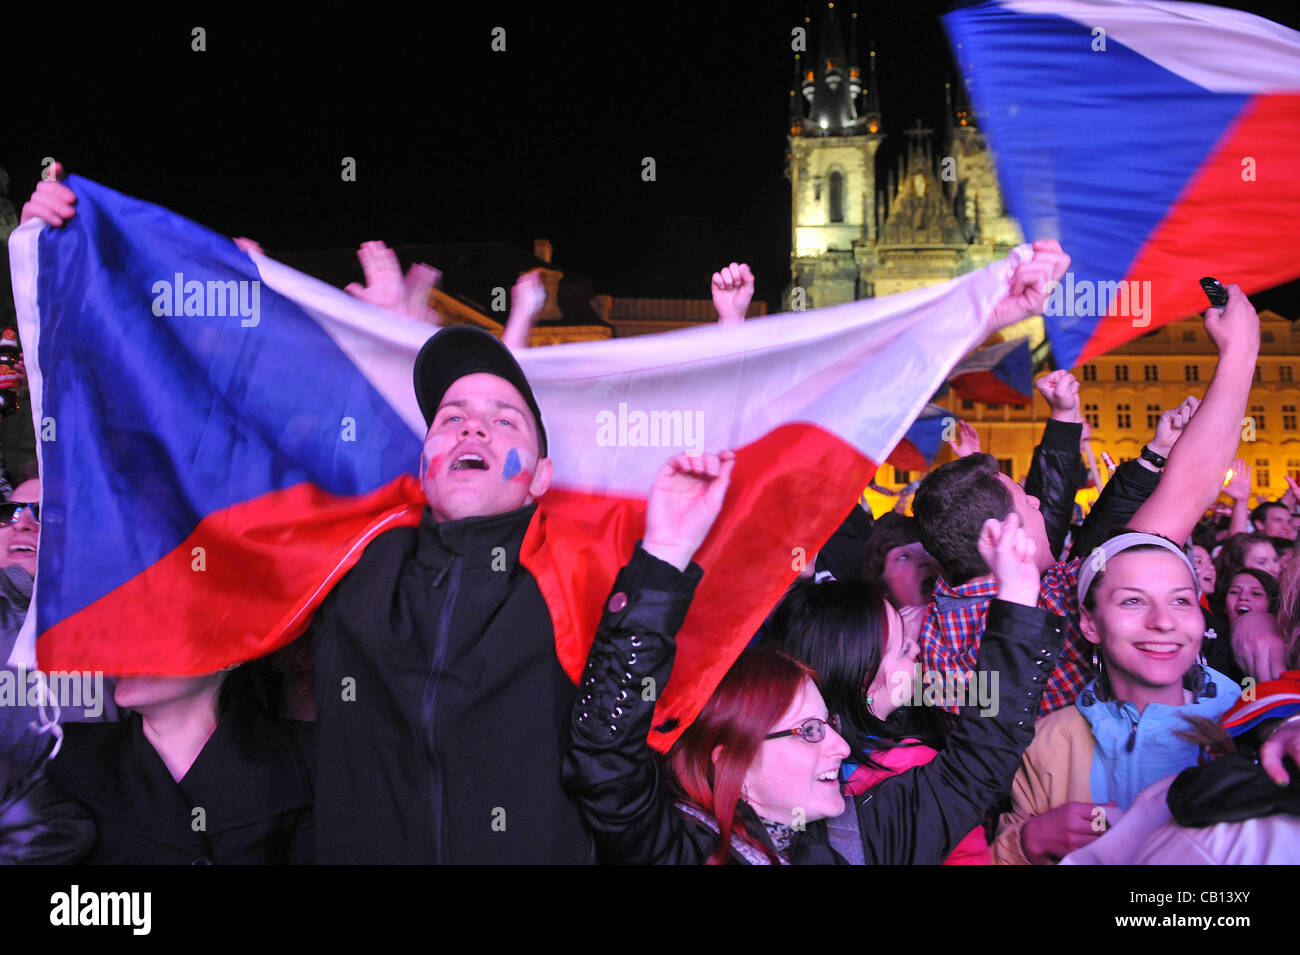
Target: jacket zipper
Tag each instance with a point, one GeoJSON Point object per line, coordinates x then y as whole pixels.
{"type": "Point", "coordinates": [431, 699]}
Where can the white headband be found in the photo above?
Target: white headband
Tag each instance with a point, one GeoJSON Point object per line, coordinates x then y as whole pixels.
{"type": "Point", "coordinates": [1117, 545]}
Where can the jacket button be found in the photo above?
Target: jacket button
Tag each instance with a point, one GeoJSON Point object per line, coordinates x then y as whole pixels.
{"type": "Point", "coordinates": [617, 602]}
{"type": "Point", "coordinates": [631, 659]}
{"type": "Point", "coordinates": [635, 642]}
{"type": "Point", "coordinates": [1020, 723]}
{"type": "Point", "coordinates": [1029, 694]}
{"type": "Point", "coordinates": [582, 718]}
{"type": "Point", "coordinates": [618, 711]}
{"type": "Point", "coordinates": [623, 696]}
{"type": "Point", "coordinates": [613, 730]}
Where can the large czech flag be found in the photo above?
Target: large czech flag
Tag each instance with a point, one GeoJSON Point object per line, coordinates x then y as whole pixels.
{"type": "Point", "coordinates": [222, 436]}
{"type": "Point", "coordinates": [1157, 141]}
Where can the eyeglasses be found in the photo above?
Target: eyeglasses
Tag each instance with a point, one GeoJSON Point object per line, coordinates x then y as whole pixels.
{"type": "Point", "coordinates": [11, 511]}
{"type": "Point", "coordinates": [810, 730]}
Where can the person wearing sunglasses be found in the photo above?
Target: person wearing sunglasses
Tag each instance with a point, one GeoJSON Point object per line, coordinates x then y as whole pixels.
{"type": "Point", "coordinates": [757, 773]}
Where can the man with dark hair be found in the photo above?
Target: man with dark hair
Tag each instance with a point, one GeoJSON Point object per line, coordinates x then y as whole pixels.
{"type": "Point", "coordinates": [955, 503]}
{"type": "Point", "coordinates": [1272, 519]}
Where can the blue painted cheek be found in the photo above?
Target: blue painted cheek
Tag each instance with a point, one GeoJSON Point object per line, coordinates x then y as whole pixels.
{"type": "Point", "coordinates": [512, 466]}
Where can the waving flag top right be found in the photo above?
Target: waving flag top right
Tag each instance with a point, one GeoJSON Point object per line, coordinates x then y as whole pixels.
{"type": "Point", "coordinates": [1159, 142]}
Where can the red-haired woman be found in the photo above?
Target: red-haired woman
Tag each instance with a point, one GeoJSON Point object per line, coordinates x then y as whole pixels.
{"type": "Point", "coordinates": [756, 774]}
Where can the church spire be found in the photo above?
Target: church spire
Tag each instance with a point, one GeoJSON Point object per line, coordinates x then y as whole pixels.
{"type": "Point", "coordinates": [855, 65]}
{"type": "Point", "coordinates": [833, 111]}
{"type": "Point", "coordinates": [871, 112]}
{"type": "Point", "coordinates": [796, 99]}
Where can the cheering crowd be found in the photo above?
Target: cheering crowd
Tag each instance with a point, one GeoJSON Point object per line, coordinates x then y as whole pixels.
{"type": "Point", "coordinates": [982, 682]}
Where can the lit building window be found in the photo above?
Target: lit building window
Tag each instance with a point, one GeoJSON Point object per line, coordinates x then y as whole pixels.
{"type": "Point", "coordinates": [1150, 373]}
{"type": "Point", "coordinates": [1092, 414]}
{"type": "Point", "coordinates": [1284, 373]}
{"type": "Point", "coordinates": [1261, 473]}
{"type": "Point", "coordinates": [967, 404]}
{"type": "Point", "coordinates": [1293, 468]}
{"type": "Point", "coordinates": [1004, 465]}
{"type": "Point", "coordinates": [1089, 372]}
{"type": "Point", "coordinates": [1288, 417]}
{"type": "Point", "coordinates": [1123, 419]}
{"type": "Point", "coordinates": [902, 477]}
{"type": "Point", "coordinates": [1121, 372]}
{"type": "Point", "coordinates": [1153, 415]}
{"type": "Point", "coordinates": [1257, 413]}
{"type": "Point", "coordinates": [1191, 372]}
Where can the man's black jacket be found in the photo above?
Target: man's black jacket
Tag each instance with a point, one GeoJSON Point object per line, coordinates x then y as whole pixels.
{"type": "Point", "coordinates": [441, 704]}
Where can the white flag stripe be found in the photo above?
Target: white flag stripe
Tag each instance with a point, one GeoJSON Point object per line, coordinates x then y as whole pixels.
{"type": "Point", "coordinates": [1221, 50]}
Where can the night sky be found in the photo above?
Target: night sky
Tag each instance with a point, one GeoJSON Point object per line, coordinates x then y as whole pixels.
{"type": "Point", "coordinates": [454, 142]}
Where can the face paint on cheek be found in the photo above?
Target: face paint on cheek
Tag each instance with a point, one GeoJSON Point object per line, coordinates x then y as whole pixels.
{"type": "Point", "coordinates": [435, 464]}
{"type": "Point", "coordinates": [512, 466]}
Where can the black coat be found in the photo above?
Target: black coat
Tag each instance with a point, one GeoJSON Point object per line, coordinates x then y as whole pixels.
{"type": "Point", "coordinates": [252, 779]}
{"type": "Point", "coordinates": [1052, 479]}
{"type": "Point", "coordinates": [917, 817]}
{"type": "Point", "coordinates": [39, 823]}
{"type": "Point", "coordinates": [441, 705]}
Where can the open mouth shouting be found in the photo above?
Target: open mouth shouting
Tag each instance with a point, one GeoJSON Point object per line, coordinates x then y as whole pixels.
{"type": "Point", "coordinates": [469, 458]}
{"type": "Point", "coordinates": [469, 462]}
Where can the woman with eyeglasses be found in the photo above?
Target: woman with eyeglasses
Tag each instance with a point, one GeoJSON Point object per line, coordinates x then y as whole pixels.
{"type": "Point", "coordinates": [755, 776]}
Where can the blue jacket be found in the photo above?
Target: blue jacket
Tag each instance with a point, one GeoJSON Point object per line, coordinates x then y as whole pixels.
{"type": "Point", "coordinates": [1131, 752]}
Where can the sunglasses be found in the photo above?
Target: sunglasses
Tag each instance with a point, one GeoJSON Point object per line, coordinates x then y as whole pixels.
{"type": "Point", "coordinates": [11, 511]}
{"type": "Point", "coordinates": [810, 730]}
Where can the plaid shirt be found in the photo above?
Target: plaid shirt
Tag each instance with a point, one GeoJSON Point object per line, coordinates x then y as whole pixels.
{"type": "Point", "coordinates": [954, 625]}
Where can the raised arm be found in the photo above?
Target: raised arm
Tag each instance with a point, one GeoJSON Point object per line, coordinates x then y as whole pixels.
{"type": "Point", "coordinates": [526, 301]}
{"type": "Point", "coordinates": [1238, 489]}
{"type": "Point", "coordinates": [1133, 481]}
{"type": "Point", "coordinates": [1053, 472]}
{"type": "Point", "coordinates": [733, 290]}
{"type": "Point", "coordinates": [609, 771]}
{"type": "Point", "coordinates": [1194, 473]}
{"type": "Point", "coordinates": [917, 817]}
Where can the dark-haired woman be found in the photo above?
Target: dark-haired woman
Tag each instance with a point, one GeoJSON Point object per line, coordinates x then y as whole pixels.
{"type": "Point", "coordinates": [865, 652]}
{"type": "Point", "coordinates": [200, 773]}
{"type": "Point", "coordinates": [757, 773]}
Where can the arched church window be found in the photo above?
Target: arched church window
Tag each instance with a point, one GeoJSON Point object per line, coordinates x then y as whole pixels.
{"type": "Point", "coordinates": [837, 197]}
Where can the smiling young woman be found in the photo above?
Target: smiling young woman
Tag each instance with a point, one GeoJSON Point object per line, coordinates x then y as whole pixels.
{"type": "Point", "coordinates": [1088, 762]}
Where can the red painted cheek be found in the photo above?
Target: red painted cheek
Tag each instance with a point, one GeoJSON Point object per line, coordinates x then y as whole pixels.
{"type": "Point", "coordinates": [435, 465]}
{"type": "Point", "coordinates": [524, 477]}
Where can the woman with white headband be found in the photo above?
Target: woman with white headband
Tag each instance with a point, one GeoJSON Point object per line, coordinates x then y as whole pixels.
{"type": "Point", "coordinates": [1138, 595]}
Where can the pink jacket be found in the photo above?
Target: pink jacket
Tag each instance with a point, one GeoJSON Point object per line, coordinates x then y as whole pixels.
{"type": "Point", "coordinates": [973, 848]}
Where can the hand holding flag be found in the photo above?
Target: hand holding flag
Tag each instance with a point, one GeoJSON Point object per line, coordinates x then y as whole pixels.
{"type": "Point", "coordinates": [1031, 283]}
